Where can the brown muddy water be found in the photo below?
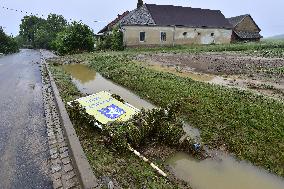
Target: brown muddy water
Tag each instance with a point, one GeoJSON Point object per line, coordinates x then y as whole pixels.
{"type": "Point", "coordinates": [224, 173]}
{"type": "Point", "coordinates": [89, 81]}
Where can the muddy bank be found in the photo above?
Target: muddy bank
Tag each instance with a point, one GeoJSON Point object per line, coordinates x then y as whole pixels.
{"type": "Point", "coordinates": [217, 63]}
{"type": "Point", "coordinates": [260, 75]}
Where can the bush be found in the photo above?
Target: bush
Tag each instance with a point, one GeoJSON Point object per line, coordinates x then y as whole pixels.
{"type": "Point", "coordinates": [7, 44]}
{"type": "Point", "coordinates": [111, 41]}
{"type": "Point", "coordinates": [75, 38]}
{"type": "Point", "coordinates": [117, 40]}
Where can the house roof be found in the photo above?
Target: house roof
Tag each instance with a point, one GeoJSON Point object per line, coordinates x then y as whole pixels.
{"type": "Point", "coordinates": [248, 35]}
{"type": "Point", "coordinates": [168, 15]}
{"type": "Point", "coordinates": [234, 21]}
{"type": "Point", "coordinates": [114, 22]}
{"type": "Point", "coordinates": [237, 19]}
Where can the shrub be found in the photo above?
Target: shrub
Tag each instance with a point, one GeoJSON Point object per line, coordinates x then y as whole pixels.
{"type": "Point", "coordinates": [117, 40]}
{"type": "Point", "coordinates": [76, 38]}
{"type": "Point", "coordinates": [111, 41]}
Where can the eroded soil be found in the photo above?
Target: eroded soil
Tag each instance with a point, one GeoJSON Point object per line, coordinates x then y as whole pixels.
{"type": "Point", "coordinates": [261, 75]}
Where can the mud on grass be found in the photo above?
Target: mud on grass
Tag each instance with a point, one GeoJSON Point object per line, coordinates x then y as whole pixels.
{"type": "Point", "coordinates": [124, 170]}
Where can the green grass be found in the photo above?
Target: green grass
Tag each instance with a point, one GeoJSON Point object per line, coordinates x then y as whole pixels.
{"type": "Point", "coordinates": [127, 169]}
{"type": "Point", "coordinates": [251, 126]}
{"type": "Point", "coordinates": [263, 49]}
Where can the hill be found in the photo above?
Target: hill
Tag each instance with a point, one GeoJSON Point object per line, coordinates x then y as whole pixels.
{"type": "Point", "coordinates": [277, 37]}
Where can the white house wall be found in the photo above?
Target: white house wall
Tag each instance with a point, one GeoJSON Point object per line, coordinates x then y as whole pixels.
{"type": "Point", "coordinates": [175, 35]}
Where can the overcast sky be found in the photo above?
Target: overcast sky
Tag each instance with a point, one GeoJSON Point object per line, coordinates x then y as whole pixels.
{"type": "Point", "coordinates": [268, 14]}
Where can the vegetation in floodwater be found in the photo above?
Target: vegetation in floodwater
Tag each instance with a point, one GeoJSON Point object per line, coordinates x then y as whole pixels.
{"type": "Point", "coordinates": [250, 126]}
{"type": "Point", "coordinates": [107, 154]}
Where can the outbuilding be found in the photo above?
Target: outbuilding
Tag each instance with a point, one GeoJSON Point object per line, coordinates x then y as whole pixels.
{"type": "Point", "coordinates": [244, 28]}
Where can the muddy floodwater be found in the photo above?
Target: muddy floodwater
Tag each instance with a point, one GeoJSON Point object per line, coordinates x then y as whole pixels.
{"type": "Point", "coordinates": [225, 173]}
{"type": "Point", "coordinates": [89, 81]}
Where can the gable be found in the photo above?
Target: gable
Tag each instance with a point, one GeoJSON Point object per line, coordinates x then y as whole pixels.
{"type": "Point", "coordinates": [247, 24]}
{"type": "Point", "coordinates": [139, 16]}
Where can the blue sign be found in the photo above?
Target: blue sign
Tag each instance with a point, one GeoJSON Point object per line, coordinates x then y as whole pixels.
{"type": "Point", "coordinates": [112, 112]}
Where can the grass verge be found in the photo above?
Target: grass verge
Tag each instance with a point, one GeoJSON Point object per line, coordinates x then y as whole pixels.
{"type": "Point", "coordinates": [125, 169]}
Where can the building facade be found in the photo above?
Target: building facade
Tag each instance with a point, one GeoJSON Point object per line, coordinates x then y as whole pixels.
{"type": "Point", "coordinates": [155, 25]}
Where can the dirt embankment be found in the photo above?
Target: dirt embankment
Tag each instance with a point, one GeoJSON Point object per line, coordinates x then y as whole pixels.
{"type": "Point", "coordinates": [261, 75]}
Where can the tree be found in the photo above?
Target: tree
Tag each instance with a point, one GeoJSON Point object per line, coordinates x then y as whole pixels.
{"type": "Point", "coordinates": [77, 37]}
{"type": "Point", "coordinates": [29, 26]}
{"type": "Point", "coordinates": [41, 33]}
{"type": "Point", "coordinates": [7, 44]}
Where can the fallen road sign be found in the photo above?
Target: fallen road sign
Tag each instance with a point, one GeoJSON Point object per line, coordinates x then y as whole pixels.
{"type": "Point", "coordinates": [107, 109]}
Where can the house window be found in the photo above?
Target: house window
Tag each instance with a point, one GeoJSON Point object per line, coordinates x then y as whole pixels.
{"type": "Point", "coordinates": [142, 36]}
{"type": "Point", "coordinates": [163, 36]}
{"type": "Point", "coordinates": [212, 34]}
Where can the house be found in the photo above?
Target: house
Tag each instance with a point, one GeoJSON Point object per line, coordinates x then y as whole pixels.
{"type": "Point", "coordinates": [113, 23]}
{"type": "Point", "coordinates": [244, 28]}
{"type": "Point", "coordinates": [152, 25]}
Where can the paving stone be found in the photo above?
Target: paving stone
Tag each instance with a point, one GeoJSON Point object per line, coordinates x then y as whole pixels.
{"type": "Point", "coordinates": [69, 175]}
{"type": "Point", "coordinates": [56, 175]}
{"type": "Point", "coordinates": [62, 172]}
{"type": "Point", "coordinates": [64, 155]}
{"type": "Point", "coordinates": [53, 151]}
{"type": "Point", "coordinates": [57, 184]}
{"type": "Point", "coordinates": [66, 160]}
{"type": "Point", "coordinates": [55, 168]}
{"type": "Point", "coordinates": [69, 184]}
{"type": "Point", "coordinates": [68, 167]}
{"type": "Point", "coordinates": [63, 149]}
{"type": "Point", "coordinates": [54, 156]}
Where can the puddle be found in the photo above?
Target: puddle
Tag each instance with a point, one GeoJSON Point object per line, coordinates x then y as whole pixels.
{"type": "Point", "coordinates": [88, 81]}
{"type": "Point", "coordinates": [225, 173]}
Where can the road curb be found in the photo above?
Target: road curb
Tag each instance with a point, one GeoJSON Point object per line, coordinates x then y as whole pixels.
{"type": "Point", "coordinates": [83, 168]}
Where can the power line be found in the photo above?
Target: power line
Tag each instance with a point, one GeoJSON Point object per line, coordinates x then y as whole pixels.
{"type": "Point", "coordinates": [30, 13]}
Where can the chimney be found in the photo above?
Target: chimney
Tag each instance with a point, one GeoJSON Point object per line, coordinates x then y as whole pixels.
{"type": "Point", "coordinates": [139, 4]}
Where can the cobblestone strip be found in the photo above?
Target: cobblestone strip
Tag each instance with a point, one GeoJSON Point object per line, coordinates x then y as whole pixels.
{"type": "Point", "coordinates": [62, 170]}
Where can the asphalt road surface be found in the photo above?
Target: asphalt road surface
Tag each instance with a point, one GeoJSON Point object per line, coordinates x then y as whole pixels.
{"type": "Point", "coordinates": [24, 153]}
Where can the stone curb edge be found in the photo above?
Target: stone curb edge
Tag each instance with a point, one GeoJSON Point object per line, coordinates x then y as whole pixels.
{"type": "Point", "coordinates": [83, 168]}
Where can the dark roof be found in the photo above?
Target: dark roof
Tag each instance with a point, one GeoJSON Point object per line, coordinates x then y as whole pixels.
{"type": "Point", "coordinates": [166, 15]}
{"type": "Point", "coordinates": [237, 19]}
{"type": "Point", "coordinates": [114, 22]}
{"type": "Point", "coordinates": [248, 35]}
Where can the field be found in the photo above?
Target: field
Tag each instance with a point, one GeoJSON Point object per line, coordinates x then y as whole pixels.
{"type": "Point", "coordinates": [241, 122]}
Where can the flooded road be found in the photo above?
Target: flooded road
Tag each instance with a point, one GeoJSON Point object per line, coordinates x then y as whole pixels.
{"type": "Point", "coordinates": [24, 153]}
{"type": "Point", "coordinates": [226, 173]}
{"type": "Point", "coordinates": [88, 81]}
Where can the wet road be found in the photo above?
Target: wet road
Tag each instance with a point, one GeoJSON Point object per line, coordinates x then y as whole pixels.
{"type": "Point", "coordinates": [23, 140]}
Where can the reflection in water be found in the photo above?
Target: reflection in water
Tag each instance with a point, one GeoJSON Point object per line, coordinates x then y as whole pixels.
{"type": "Point", "coordinates": [80, 72]}
{"type": "Point", "coordinates": [226, 173]}
{"type": "Point", "coordinates": [88, 81]}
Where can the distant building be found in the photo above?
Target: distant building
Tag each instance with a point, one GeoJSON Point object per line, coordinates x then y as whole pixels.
{"type": "Point", "coordinates": [244, 28]}
{"type": "Point", "coordinates": [152, 25]}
